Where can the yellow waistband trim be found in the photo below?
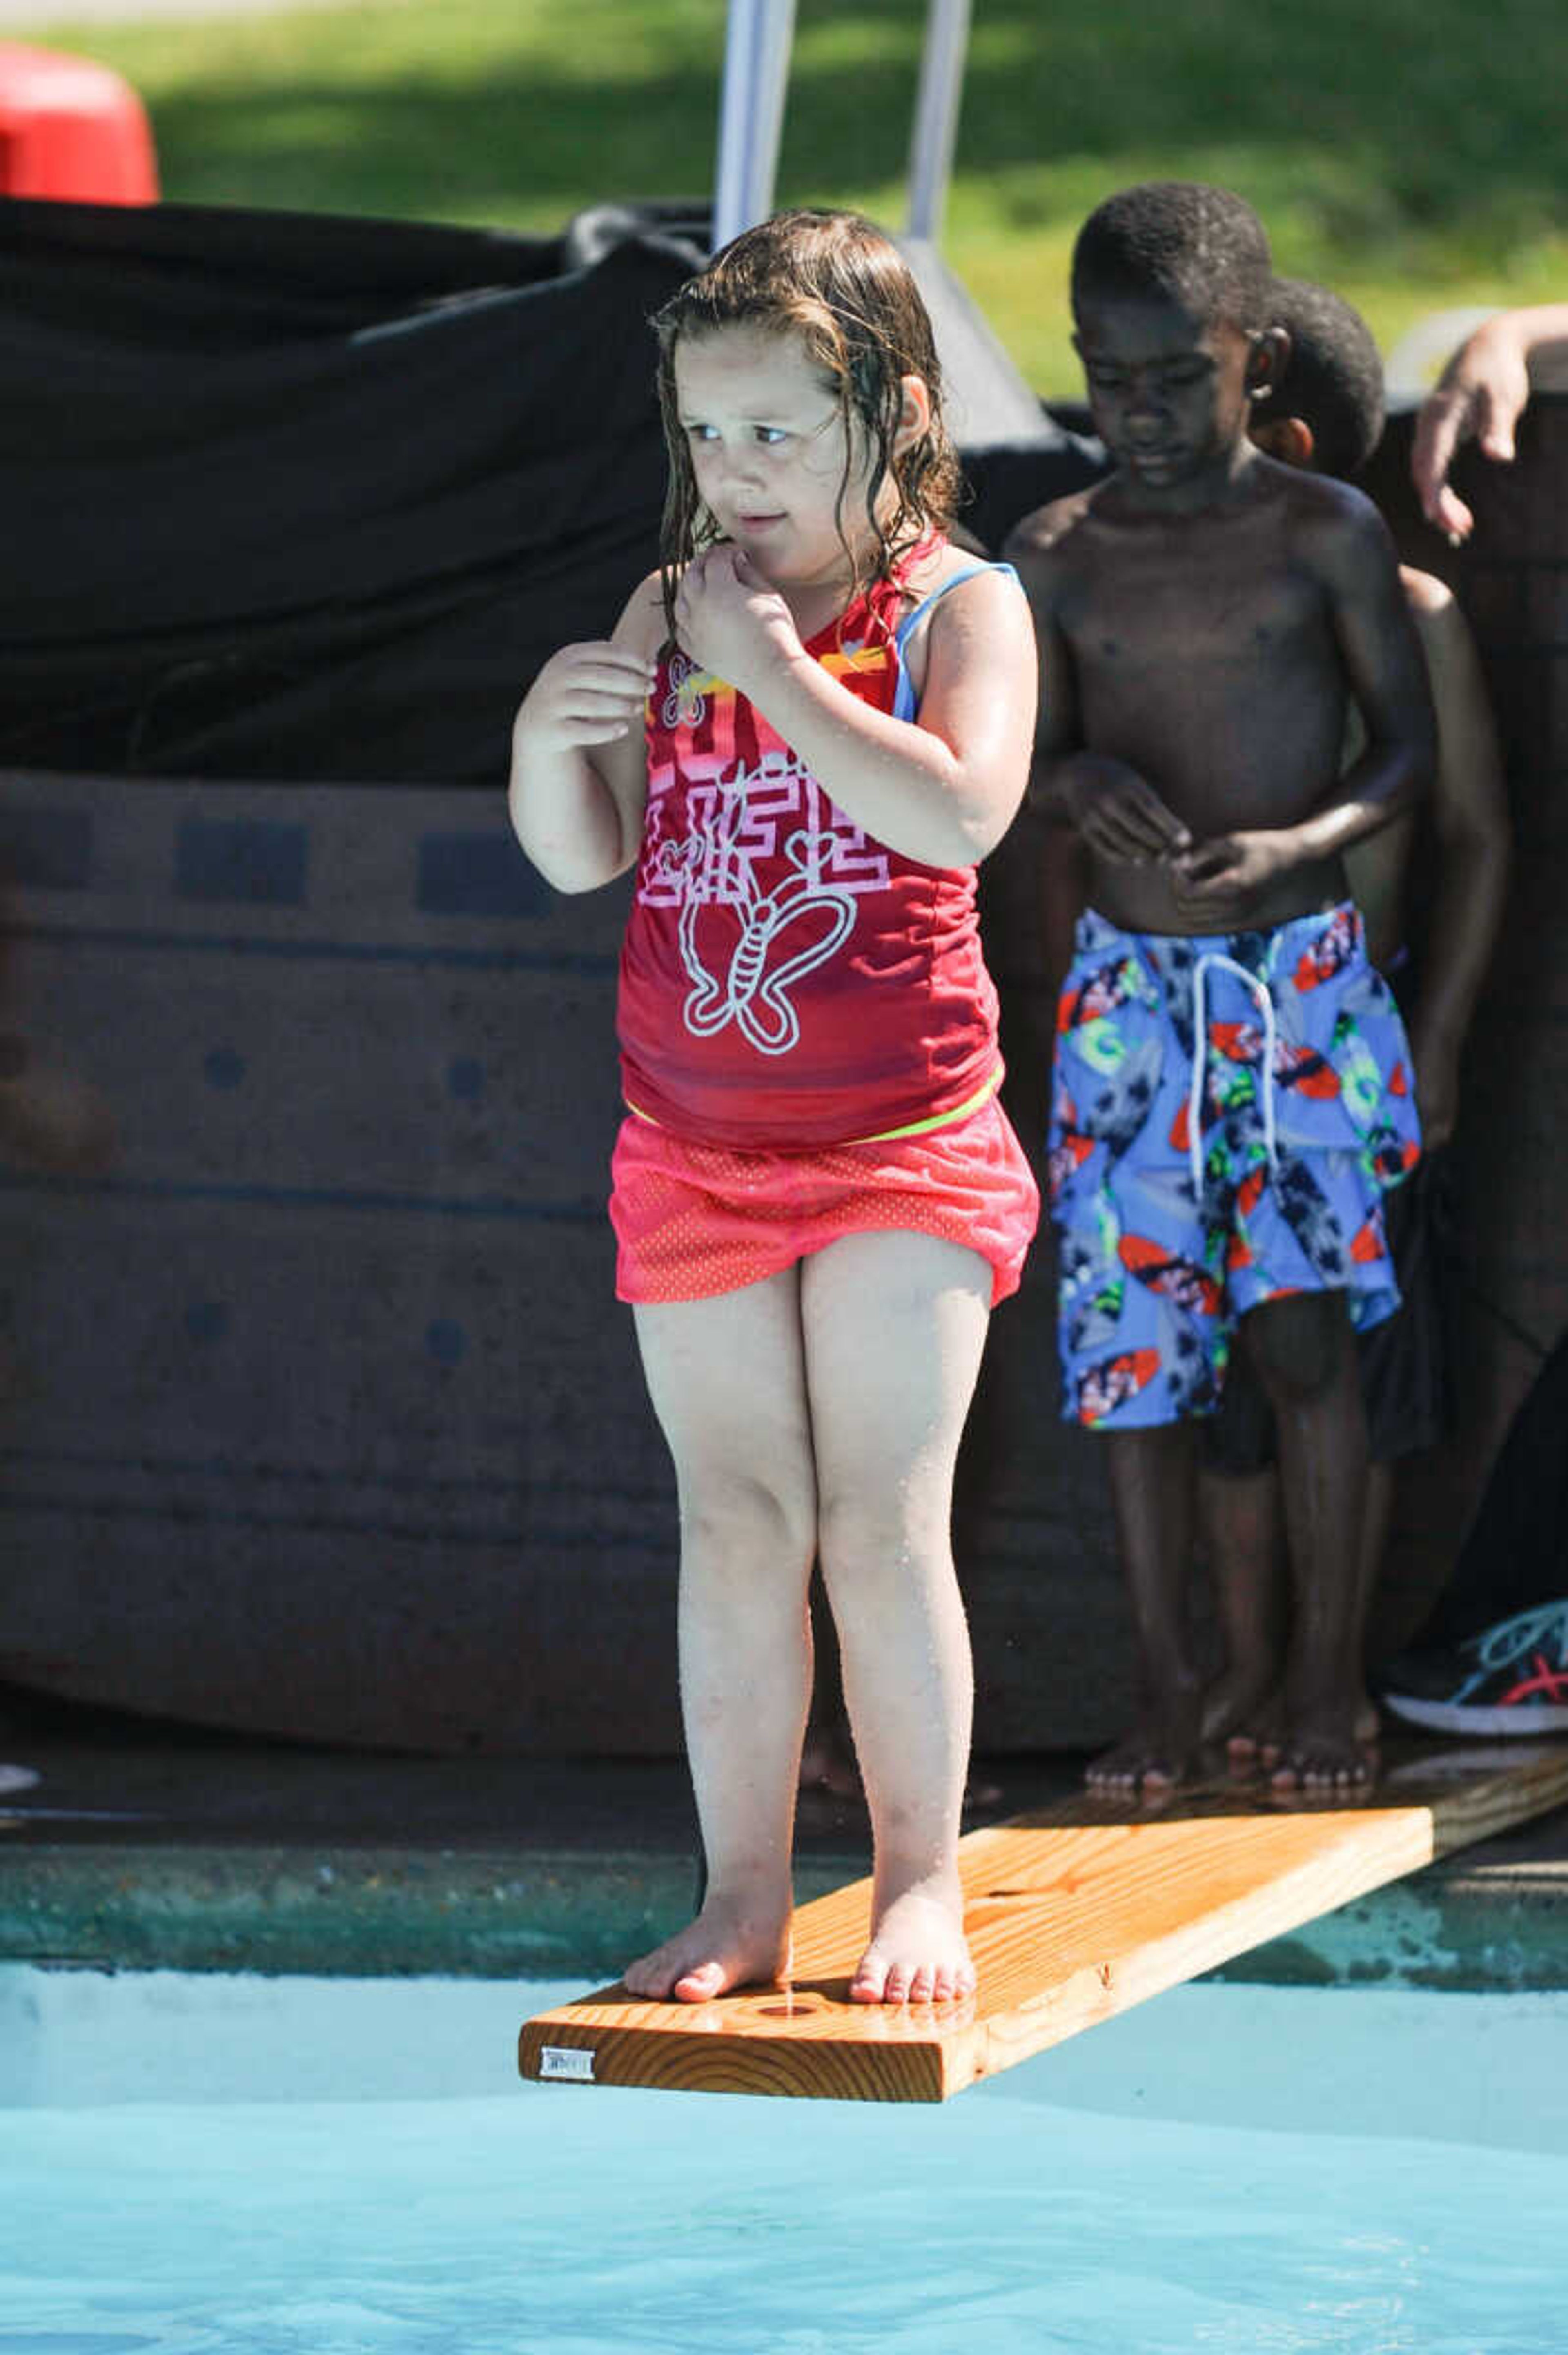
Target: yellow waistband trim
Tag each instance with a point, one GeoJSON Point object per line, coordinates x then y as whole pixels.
{"type": "Point", "coordinates": [987, 1089]}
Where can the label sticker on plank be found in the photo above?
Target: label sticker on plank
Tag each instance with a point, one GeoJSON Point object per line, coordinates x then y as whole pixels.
{"type": "Point", "coordinates": [570, 2061]}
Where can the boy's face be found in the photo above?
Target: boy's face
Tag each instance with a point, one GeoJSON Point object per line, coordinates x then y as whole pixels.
{"type": "Point", "coordinates": [1170, 394]}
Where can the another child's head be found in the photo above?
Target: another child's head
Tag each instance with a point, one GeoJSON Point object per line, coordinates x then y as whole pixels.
{"type": "Point", "coordinates": [1326, 409]}
{"type": "Point", "coordinates": [837, 295]}
{"type": "Point", "coordinates": [1171, 303]}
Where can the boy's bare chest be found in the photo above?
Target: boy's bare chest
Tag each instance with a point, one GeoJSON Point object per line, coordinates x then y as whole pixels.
{"type": "Point", "coordinates": [1140, 606]}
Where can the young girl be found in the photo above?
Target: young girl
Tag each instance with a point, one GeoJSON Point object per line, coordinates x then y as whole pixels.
{"type": "Point", "coordinates": [816, 1196]}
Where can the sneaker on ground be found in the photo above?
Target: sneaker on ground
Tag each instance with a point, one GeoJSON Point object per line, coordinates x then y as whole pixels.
{"type": "Point", "coordinates": [1511, 1678]}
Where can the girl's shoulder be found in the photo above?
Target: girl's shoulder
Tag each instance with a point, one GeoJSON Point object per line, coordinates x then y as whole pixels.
{"type": "Point", "coordinates": [946, 588]}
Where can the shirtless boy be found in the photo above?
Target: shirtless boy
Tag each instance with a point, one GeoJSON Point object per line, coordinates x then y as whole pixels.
{"type": "Point", "coordinates": [1232, 1086]}
{"type": "Point", "coordinates": [1326, 413]}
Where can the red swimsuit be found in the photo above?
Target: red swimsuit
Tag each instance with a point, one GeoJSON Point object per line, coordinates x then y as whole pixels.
{"type": "Point", "coordinates": [808, 1032]}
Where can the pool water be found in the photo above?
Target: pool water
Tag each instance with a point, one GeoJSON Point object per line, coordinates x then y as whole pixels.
{"type": "Point", "coordinates": [207, 2166]}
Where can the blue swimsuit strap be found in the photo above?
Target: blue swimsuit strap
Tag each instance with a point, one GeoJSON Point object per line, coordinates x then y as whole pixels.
{"type": "Point", "coordinates": [904, 705]}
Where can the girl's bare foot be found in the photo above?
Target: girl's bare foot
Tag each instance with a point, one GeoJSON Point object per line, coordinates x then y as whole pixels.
{"type": "Point", "coordinates": [918, 1953]}
{"type": "Point", "coordinates": [732, 1943]}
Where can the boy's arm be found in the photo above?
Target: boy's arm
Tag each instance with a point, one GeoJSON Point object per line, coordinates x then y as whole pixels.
{"type": "Point", "coordinates": [1470, 813]}
{"type": "Point", "coordinates": [579, 776]}
{"type": "Point", "coordinates": [1115, 810]}
{"type": "Point", "coordinates": [1347, 545]}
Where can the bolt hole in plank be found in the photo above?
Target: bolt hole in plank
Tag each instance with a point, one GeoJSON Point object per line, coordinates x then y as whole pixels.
{"type": "Point", "coordinates": [1072, 1915]}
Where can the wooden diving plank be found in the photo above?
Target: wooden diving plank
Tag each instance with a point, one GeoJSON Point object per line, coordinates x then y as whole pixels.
{"type": "Point", "coordinates": [1072, 1915]}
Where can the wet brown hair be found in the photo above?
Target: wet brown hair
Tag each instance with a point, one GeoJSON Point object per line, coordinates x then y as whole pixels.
{"type": "Point", "coordinates": [836, 280]}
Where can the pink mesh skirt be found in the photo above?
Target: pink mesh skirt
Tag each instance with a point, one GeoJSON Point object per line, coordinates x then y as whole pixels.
{"type": "Point", "coordinates": [692, 1220]}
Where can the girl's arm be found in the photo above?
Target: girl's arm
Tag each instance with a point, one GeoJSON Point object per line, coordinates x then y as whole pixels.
{"type": "Point", "coordinates": [942, 789]}
{"type": "Point", "coordinates": [579, 775]}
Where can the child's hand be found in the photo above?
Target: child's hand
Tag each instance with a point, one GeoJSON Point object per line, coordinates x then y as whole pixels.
{"type": "Point", "coordinates": [1224, 875]}
{"type": "Point", "coordinates": [730, 621]}
{"type": "Point", "coordinates": [1480, 394]}
{"type": "Point", "coordinates": [1118, 812]}
{"type": "Point", "coordinates": [586, 694]}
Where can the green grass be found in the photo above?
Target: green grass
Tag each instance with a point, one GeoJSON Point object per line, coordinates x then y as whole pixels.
{"type": "Point", "coordinates": [1408, 151]}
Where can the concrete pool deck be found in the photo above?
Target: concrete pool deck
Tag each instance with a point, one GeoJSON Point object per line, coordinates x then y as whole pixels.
{"type": "Point", "coordinates": [145, 1846]}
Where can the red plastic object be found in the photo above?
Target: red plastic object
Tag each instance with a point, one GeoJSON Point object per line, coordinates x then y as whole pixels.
{"type": "Point", "coordinates": [69, 128]}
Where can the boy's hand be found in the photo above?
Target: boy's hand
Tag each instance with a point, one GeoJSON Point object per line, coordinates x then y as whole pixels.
{"type": "Point", "coordinates": [730, 621]}
{"type": "Point", "coordinates": [1226, 872]}
{"type": "Point", "coordinates": [586, 694]}
{"type": "Point", "coordinates": [1118, 812]}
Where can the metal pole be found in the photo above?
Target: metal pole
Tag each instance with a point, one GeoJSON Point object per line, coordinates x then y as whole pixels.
{"type": "Point", "coordinates": [937, 115]}
{"type": "Point", "coordinates": [758, 41]}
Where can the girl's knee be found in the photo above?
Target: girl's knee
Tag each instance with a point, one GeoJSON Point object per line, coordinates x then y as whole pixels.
{"type": "Point", "coordinates": [730, 1513]}
{"type": "Point", "coordinates": [866, 1535]}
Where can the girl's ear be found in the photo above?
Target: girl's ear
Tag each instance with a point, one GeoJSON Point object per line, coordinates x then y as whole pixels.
{"type": "Point", "coordinates": [914, 413]}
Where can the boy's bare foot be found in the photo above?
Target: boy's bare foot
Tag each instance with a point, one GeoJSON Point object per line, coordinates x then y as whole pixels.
{"type": "Point", "coordinates": [1264, 1740]}
{"type": "Point", "coordinates": [732, 1944]}
{"type": "Point", "coordinates": [1163, 1751]}
{"type": "Point", "coordinates": [1235, 1707]}
{"type": "Point", "coordinates": [918, 1953]}
{"type": "Point", "coordinates": [1326, 1746]}
{"type": "Point", "coordinates": [827, 1763]}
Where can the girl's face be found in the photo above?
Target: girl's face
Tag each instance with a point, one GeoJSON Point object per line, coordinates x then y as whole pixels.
{"type": "Point", "coordinates": [767, 445]}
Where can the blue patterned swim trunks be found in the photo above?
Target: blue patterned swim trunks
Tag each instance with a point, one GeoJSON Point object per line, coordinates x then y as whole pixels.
{"type": "Point", "coordinates": [1228, 1113]}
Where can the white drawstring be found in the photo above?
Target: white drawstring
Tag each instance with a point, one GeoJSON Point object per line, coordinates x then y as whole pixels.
{"type": "Point", "coordinates": [1260, 989]}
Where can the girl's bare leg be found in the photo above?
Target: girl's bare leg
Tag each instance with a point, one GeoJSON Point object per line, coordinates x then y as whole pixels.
{"type": "Point", "coordinates": [895, 1324]}
{"type": "Point", "coordinates": [727, 1379]}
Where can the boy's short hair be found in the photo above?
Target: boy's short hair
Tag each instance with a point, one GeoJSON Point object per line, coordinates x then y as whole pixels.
{"type": "Point", "coordinates": [1333, 380]}
{"type": "Point", "coordinates": [1204, 248]}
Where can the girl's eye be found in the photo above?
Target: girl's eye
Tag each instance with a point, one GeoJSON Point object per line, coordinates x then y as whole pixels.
{"type": "Point", "coordinates": [771, 434]}
{"type": "Point", "coordinates": [699, 433]}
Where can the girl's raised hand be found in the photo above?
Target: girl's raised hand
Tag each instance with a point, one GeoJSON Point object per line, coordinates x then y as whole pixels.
{"type": "Point", "coordinates": [730, 621]}
{"type": "Point", "coordinates": [587, 694]}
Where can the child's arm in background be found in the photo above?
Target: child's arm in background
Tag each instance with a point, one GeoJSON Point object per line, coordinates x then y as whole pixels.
{"type": "Point", "coordinates": [579, 757]}
{"type": "Point", "coordinates": [1481, 392]}
{"type": "Point", "coordinates": [1343, 540]}
{"type": "Point", "coordinates": [943, 790]}
{"type": "Point", "coordinates": [1470, 817]}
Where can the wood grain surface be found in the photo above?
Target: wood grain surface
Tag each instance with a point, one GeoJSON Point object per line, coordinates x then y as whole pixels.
{"type": "Point", "coordinates": [1071, 1914]}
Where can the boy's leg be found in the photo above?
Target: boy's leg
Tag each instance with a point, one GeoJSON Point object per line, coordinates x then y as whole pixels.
{"type": "Point", "coordinates": [1240, 1518]}
{"type": "Point", "coordinates": [1151, 1476]}
{"type": "Point", "coordinates": [895, 1324]}
{"type": "Point", "coordinates": [727, 1383]}
{"type": "Point", "coordinates": [1241, 1535]}
{"type": "Point", "coordinates": [1303, 1349]}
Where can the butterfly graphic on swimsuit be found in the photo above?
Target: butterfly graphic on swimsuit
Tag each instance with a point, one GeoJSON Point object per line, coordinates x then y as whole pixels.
{"type": "Point", "coordinates": [783, 933]}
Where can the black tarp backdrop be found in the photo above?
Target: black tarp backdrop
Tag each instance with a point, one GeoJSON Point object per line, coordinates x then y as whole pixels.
{"type": "Point", "coordinates": [307, 497]}
{"type": "Point", "coordinates": [300, 496]}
